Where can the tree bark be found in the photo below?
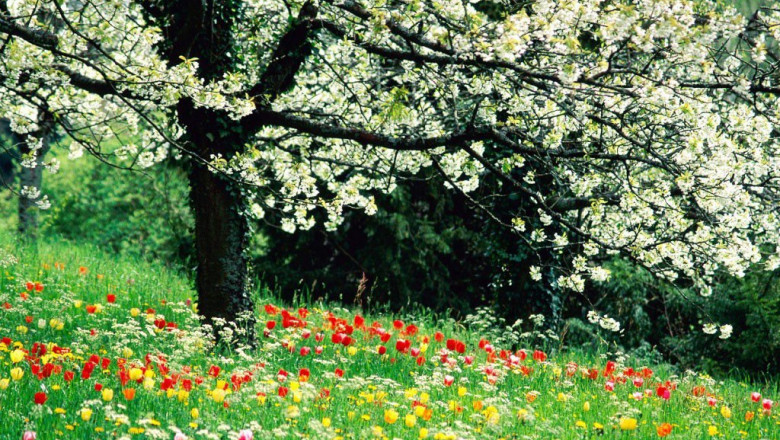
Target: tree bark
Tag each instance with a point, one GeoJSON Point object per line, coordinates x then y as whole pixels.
{"type": "Point", "coordinates": [32, 178]}
{"type": "Point", "coordinates": [221, 229]}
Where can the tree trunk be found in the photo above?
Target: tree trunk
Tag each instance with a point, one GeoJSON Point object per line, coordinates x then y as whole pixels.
{"type": "Point", "coordinates": [221, 230]}
{"type": "Point", "coordinates": [32, 178]}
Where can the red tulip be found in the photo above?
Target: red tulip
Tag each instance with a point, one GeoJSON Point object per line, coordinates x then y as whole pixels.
{"type": "Point", "coordinates": [40, 398]}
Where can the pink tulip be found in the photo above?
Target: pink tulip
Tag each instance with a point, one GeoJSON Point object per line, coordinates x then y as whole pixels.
{"type": "Point", "coordinates": [609, 386]}
{"type": "Point", "coordinates": [711, 401]}
{"type": "Point", "coordinates": [638, 382]}
{"type": "Point", "coordinates": [448, 380]}
{"type": "Point", "coordinates": [29, 435]}
{"type": "Point", "coordinates": [755, 397]}
{"type": "Point", "coordinates": [468, 360]}
{"type": "Point", "coordinates": [767, 404]}
{"type": "Point", "coordinates": [245, 434]}
{"type": "Point", "coordinates": [179, 436]}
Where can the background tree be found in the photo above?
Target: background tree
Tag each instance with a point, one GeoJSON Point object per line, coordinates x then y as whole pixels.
{"type": "Point", "coordinates": [640, 128]}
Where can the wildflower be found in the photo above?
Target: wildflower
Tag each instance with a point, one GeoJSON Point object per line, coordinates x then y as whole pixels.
{"type": "Point", "coordinates": [218, 395]}
{"type": "Point", "coordinates": [586, 406]}
{"type": "Point", "coordinates": [245, 434]}
{"type": "Point", "coordinates": [423, 433]}
{"type": "Point", "coordinates": [581, 424]}
{"type": "Point", "coordinates": [391, 416]}
{"type": "Point", "coordinates": [194, 413]}
{"type": "Point", "coordinates": [712, 430]}
{"type": "Point", "coordinates": [40, 398]}
{"type": "Point", "coordinates": [17, 373]}
{"type": "Point", "coordinates": [17, 356]}
{"type": "Point", "coordinates": [326, 422]}
{"type": "Point", "coordinates": [86, 414]}
{"type": "Point", "coordinates": [129, 393]}
{"type": "Point", "coordinates": [29, 435]}
{"type": "Point", "coordinates": [627, 424]}
{"type": "Point", "coordinates": [664, 429]}
{"type": "Point", "coordinates": [725, 411]}
{"type": "Point", "coordinates": [410, 420]}
{"type": "Point", "coordinates": [749, 416]}
{"type": "Point", "coordinates": [4, 383]}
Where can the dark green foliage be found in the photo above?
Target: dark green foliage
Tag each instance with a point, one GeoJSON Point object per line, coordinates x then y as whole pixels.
{"type": "Point", "coordinates": [141, 214]}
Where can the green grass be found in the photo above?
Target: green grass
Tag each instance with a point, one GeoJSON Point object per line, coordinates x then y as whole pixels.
{"type": "Point", "coordinates": [379, 396]}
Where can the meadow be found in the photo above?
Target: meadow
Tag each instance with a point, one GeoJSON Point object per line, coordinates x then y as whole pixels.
{"type": "Point", "coordinates": [99, 346]}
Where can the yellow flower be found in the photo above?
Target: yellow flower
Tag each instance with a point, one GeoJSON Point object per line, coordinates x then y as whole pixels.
{"type": "Point", "coordinates": [127, 352]}
{"type": "Point", "coordinates": [218, 395]}
{"type": "Point", "coordinates": [292, 412]}
{"type": "Point", "coordinates": [581, 424]}
{"type": "Point", "coordinates": [134, 430]}
{"type": "Point", "coordinates": [712, 430]}
{"type": "Point", "coordinates": [135, 373]}
{"type": "Point", "coordinates": [377, 431]}
{"type": "Point", "coordinates": [352, 351]}
{"type": "Point", "coordinates": [461, 391]}
{"type": "Point", "coordinates": [598, 426]}
{"type": "Point", "coordinates": [586, 406]}
{"type": "Point", "coordinates": [326, 422]}
{"type": "Point", "coordinates": [410, 420]}
{"type": "Point", "coordinates": [391, 416]}
{"type": "Point", "coordinates": [16, 373]}
{"type": "Point", "coordinates": [182, 395]}
{"type": "Point", "coordinates": [419, 410]}
{"type": "Point", "coordinates": [4, 384]}
{"type": "Point", "coordinates": [134, 312]}
{"type": "Point", "coordinates": [423, 433]}
{"type": "Point", "coordinates": [627, 424]}
{"type": "Point", "coordinates": [86, 414]}
{"type": "Point", "coordinates": [107, 394]}
{"type": "Point", "coordinates": [194, 413]}
{"type": "Point", "coordinates": [59, 410]}
{"type": "Point", "coordinates": [725, 411]}
{"type": "Point", "coordinates": [17, 356]}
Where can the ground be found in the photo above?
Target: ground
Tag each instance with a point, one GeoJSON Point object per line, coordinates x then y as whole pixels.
{"type": "Point", "coordinates": [101, 346]}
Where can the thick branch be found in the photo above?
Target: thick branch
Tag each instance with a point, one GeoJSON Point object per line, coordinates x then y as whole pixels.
{"type": "Point", "coordinates": [293, 48]}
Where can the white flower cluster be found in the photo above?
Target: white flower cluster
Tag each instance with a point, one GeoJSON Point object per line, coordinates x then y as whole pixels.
{"type": "Point", "coordinates": [603, 321]}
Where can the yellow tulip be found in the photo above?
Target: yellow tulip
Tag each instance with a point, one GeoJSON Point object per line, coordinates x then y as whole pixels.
{"type": "Point", "coordinates": [86, 414]}
{"type": "Point", "coordinates": [410, 420]}
{"type": "Point", "coordinates": [16, 373]}
{"type": "Point", "coordinates": [107, 394]}
{"type": "Point", "coordinates": [627, 424]}
{"type": "Point", "coordinates": [391, 416]}
{"type": "Point", "coordinates": [17, 356]}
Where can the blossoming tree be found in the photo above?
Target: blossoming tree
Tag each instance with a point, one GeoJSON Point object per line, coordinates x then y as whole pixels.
{"type": "Point", "coordinates": [639, 127]}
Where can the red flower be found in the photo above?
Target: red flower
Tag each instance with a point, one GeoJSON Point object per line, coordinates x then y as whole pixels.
{"type": "Point", "coordinates": [282, 391]}
{"type": "Point", "coordinates": [270, 325]}
{"type": "Point", "coordinates": [214, 371]}
{"type": "Point", "coordinates": [40, 398]}
{"type": "Point", "coordinates": [68, 376]}
{"type": "Point", "coordinates": [382, 349]}
{"type": "Point", "coordinates": [755, 397]}
{"type": "Point", "coordinates": [438, 336]}
{"type": "Point", "coordinates": [339, 372]}
{"type": "Point", "coordinates": [111, 298]}
{"type": "Point", "coordinates": [403, 345]}
{"type": "Point", "coordinates": [398, 324]}
{"type": "Point", "coordinates": [30, 286]}
{"type": "Point", "coordinates": [91, 308]}
{"type": "Point", "coordinates": [539, 356]}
